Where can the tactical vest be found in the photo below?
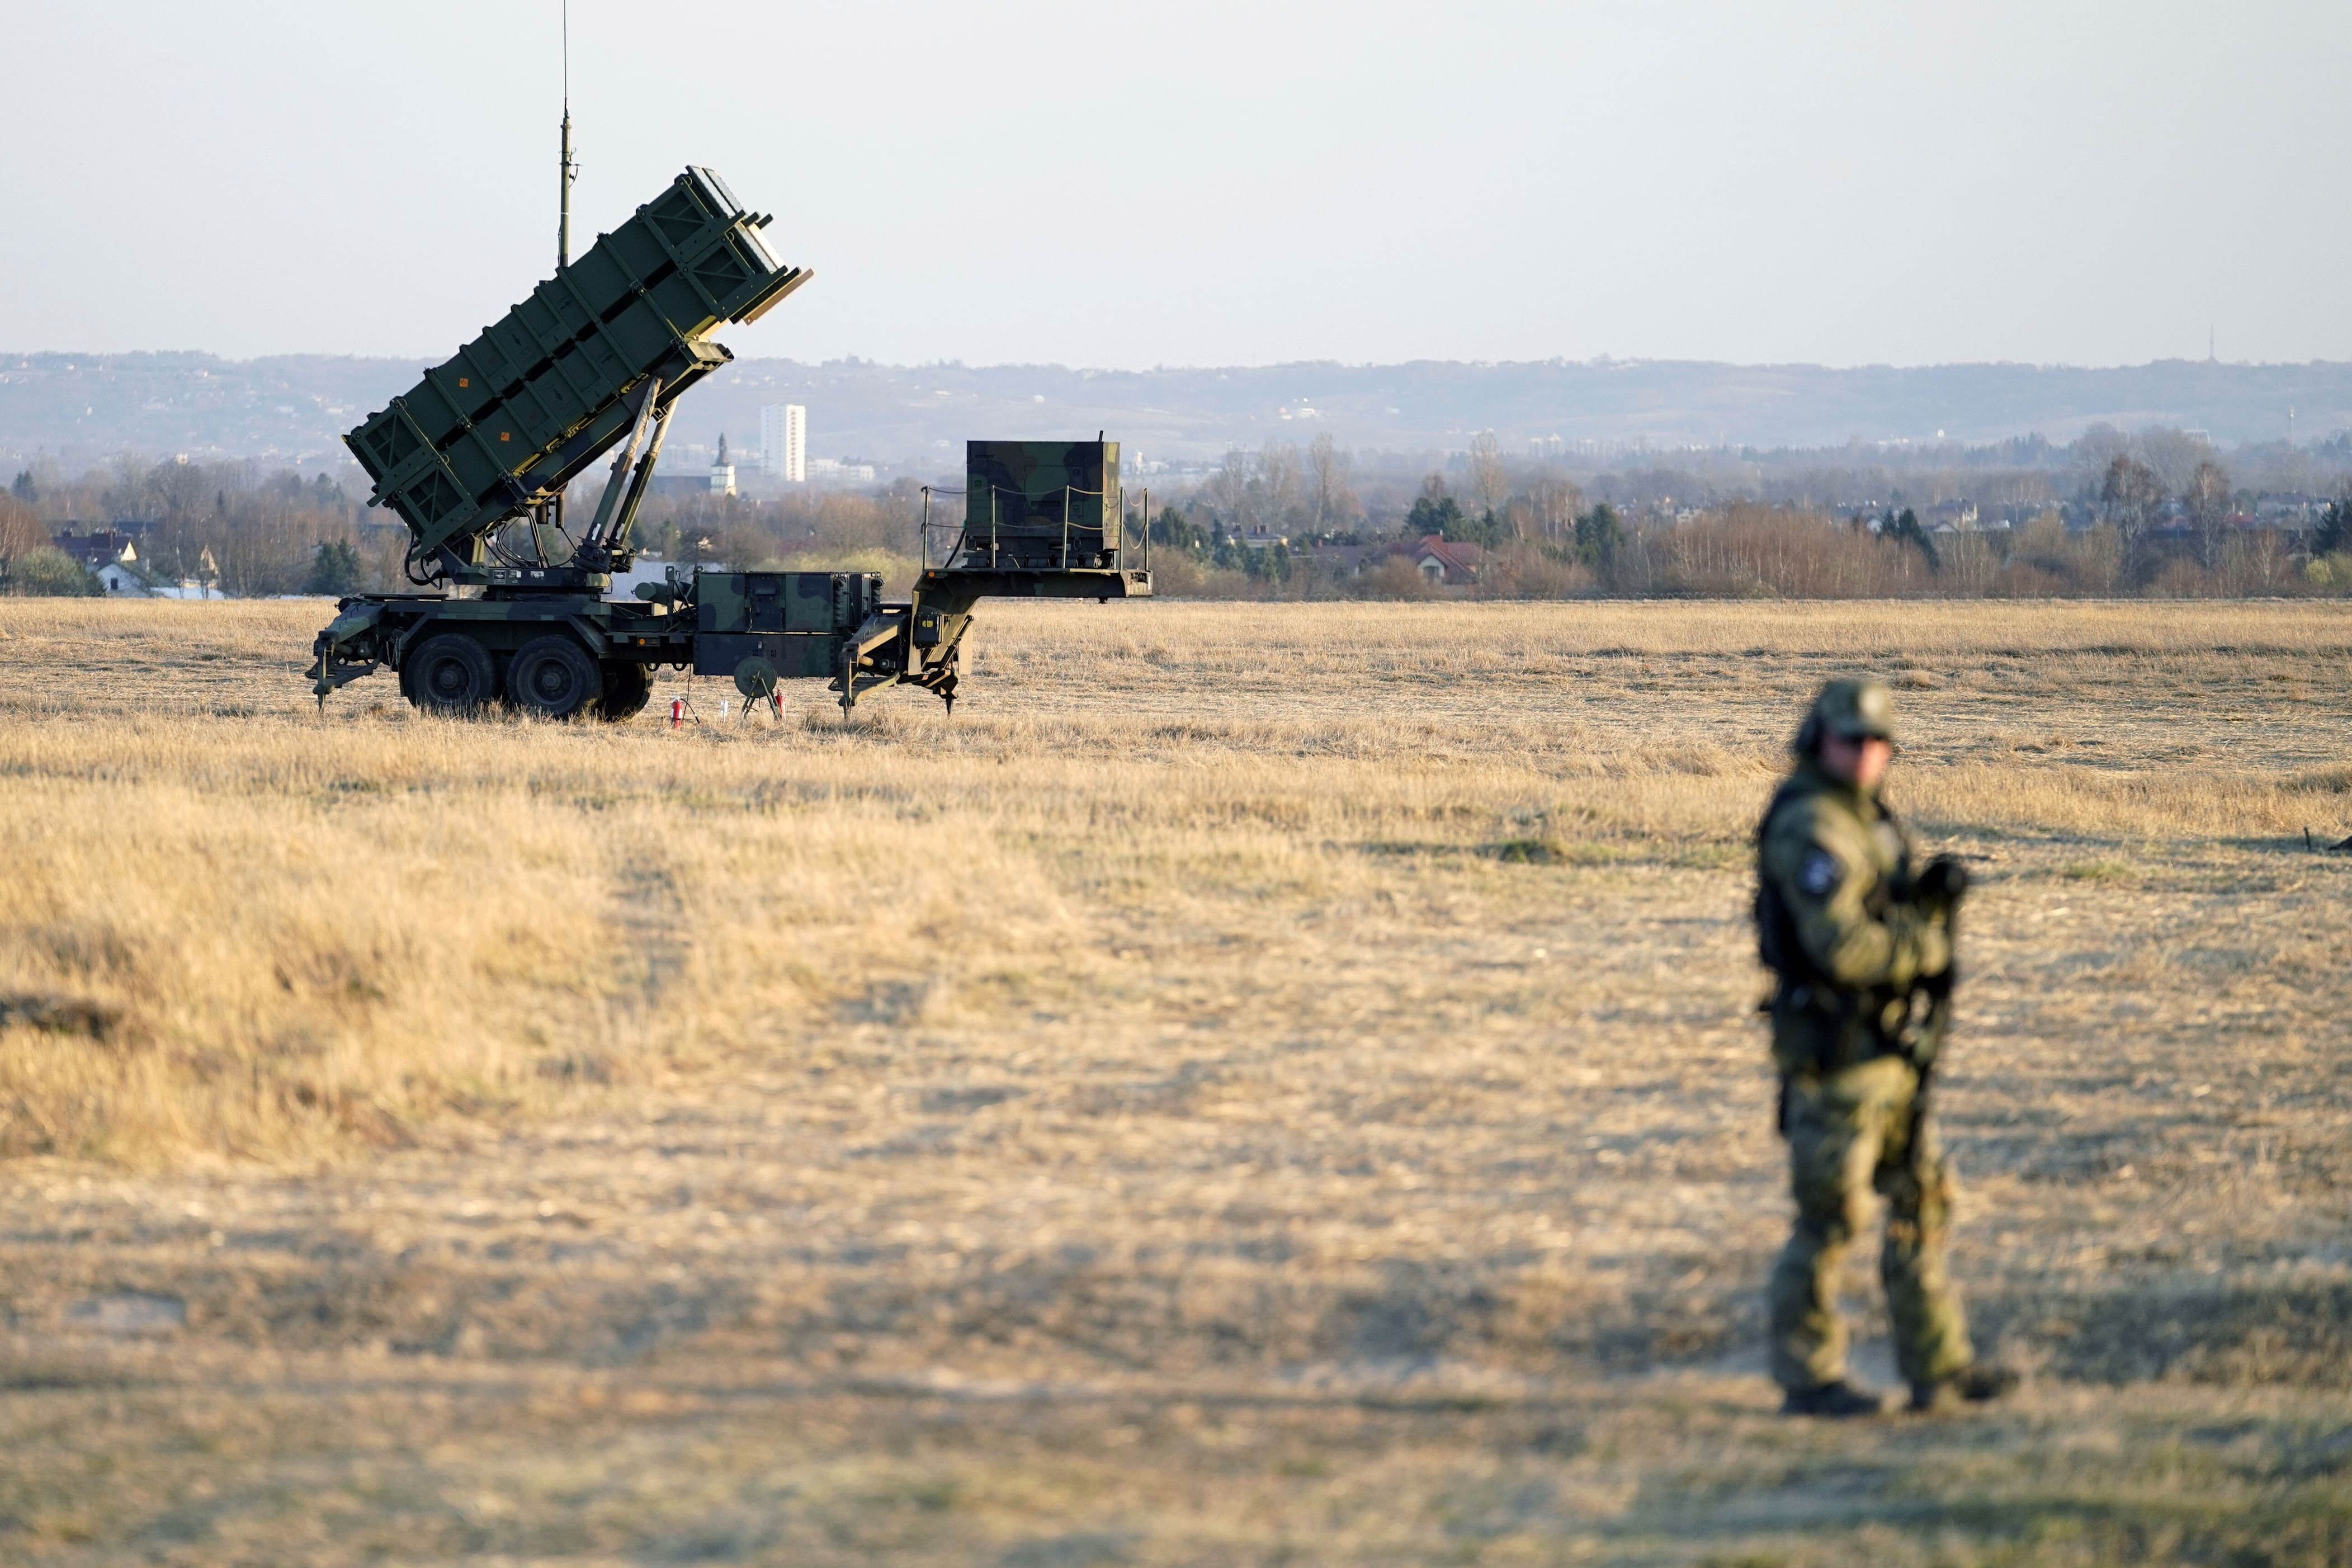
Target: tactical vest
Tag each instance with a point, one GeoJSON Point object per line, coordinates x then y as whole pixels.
{"type": "Point", "coordinates": [1850, 1025]}
{"type": "Point", "coordinates": [1778, 946]}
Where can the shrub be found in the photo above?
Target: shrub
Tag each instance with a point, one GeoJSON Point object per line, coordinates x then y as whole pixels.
{"type": "Point", "coordinates": [1532, 572]}
{"type": "Point", "coordinates": [334, 569]}
{"type": "Point", "coordinates": [1600, 538]}
{"type": "Point", "coordinates": [1395, 578]}
{"type": "Point", "coordinates": [49, 572]}
{"type": "Point", "coordinates": [2334, 531]}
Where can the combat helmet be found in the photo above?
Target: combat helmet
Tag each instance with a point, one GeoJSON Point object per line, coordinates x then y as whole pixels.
{"type": "Point", "coordinates": [1848, 707]}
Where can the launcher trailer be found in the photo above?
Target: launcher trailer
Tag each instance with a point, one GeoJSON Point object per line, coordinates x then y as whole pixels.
{"type": "Point", "coordinates": [512, 608]}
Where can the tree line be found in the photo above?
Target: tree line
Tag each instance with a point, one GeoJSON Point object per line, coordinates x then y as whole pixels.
{"type": "Point", "coordinates": [233, 528]}
{"type": "Point", "coordinates": [2152, 514]}
{"type": "Point", "coordinates": [2111, 514]}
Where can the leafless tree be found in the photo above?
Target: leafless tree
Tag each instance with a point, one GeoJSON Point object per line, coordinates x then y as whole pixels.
{"type": "Point", "coordinates": [2206, 498]}
{"type": "Point", "coordinates": [1281, 499]}
{"type": "Point", "coordinates": [1226, 490]}
{"type": "Point", "coordinates": [125, 493]}
{"type": "Point", "coordinates": [1488, 483]}
{"type": "Point", "coordinates": [181, 487]}
{"type": "Point", "coordinates": [20, 529]}
{"type": "Point", "coordinates": [2130, 497]}
{"type": "Point", "coordinates": [2173, 455]}
{"type": "Point", "coordinates": [1553, 504]}
{"type": "Point", "coordinates": [1328, 469]}
{"type": "Point", "coordinates": [2095, 451]}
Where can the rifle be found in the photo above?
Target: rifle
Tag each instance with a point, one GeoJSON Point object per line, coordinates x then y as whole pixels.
{"type": "Point", "coordinates": [1929, 1016]}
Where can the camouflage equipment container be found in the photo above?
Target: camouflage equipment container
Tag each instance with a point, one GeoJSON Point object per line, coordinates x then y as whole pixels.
{"type": "Point", "coordinates": [1049, 505]}
{"type": "Point", "coordinates": [793, 620]}
{"type": "Point", "coordinates": [521, 410]}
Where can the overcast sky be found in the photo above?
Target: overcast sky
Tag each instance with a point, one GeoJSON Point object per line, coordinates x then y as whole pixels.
{"type": "Point", "coordinates": [1210, 184]}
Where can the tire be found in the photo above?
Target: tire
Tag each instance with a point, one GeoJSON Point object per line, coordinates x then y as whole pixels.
{"type": "Point", "coordinates": [627, 689]}
{"type": "Point", "coordinates": [452, 673]}
{"type": "Point", "coordinates": [554, 678]}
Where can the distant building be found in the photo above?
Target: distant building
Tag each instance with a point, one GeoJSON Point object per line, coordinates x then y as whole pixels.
{"type": "Point", "coordinates": [1446, 562]}
{"type": "Point", "coordinates": [722, 472]}
{"type": "Point", "coordinates": [98, 547]}
{"type": "Point", "coordinates": [2290, 510]}
{"type": "Point", "coordinates": [784, 442]}
{"type": "Point", "coordinates": [838, 472]}
{"type": "Point", "coordinates": [1342, 560]}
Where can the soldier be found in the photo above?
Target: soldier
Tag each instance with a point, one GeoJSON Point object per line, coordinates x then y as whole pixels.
{"type": "Point", "coordinates": [1863, 953]}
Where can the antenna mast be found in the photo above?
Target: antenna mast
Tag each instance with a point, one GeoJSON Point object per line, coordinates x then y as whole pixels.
{"type": "Point", "coordinates": [566, 169]}
{"type": "Point", "coordinates": [549, 516]}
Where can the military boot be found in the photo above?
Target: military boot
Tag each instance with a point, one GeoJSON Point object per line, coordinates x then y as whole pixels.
{"type": "Point", "coordinates": [1836, 1400]}
{"type": "Point", "coordinates": [1969, 1386]}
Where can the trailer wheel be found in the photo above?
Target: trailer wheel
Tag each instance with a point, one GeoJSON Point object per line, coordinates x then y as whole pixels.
{"type": "Point", "coordinates": [451, 673]}
{"type": "Point", "coordinates": [554, 678]}
{"type": "Point", "coordinates": [627, 688]}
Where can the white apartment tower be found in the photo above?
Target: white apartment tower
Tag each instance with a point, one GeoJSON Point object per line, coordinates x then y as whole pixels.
{"type": "Point", "coordinates": [784, 442]}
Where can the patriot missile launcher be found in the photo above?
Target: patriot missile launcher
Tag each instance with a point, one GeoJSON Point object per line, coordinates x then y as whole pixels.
{"type": "Point", "coordinates": [476, 458]}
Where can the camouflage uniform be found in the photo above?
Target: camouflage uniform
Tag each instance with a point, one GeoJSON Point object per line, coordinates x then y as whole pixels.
{"type": "Point", "coordinates": [1840, 866]}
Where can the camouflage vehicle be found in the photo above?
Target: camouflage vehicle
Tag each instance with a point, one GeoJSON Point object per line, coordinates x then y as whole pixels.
{"type": "Point", "coordinates": [512, 608]}
{"type": "Point", "coordinates": [1053, 512]}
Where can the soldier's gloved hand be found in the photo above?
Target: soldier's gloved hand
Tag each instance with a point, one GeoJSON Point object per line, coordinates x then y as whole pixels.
{"type": "Point", "coordinates": [1922, 943]}
{"type": "Point", "coordinates": [1943, 884]}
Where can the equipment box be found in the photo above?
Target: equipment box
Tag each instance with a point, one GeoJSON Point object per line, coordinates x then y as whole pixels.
{"type": "Point", "coordinates": [1041, 505]}
{"type": "Point", "coordinates": [793, 655]}
{"type": "Point", "coordinates": [827, 602]}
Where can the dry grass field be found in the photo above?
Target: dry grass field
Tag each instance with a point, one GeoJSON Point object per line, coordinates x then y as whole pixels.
{"type": "Point", "coordinates": [1260, 1084]}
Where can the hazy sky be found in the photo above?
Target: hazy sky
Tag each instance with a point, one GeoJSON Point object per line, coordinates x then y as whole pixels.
{"type": "Point", "coordinates": [1123, 186]}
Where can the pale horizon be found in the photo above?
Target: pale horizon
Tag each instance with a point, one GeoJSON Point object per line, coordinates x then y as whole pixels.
{"type": "Point", "coordinates": [2221, 361]}
{"type": "Point", "coordinates": [1805, 184]}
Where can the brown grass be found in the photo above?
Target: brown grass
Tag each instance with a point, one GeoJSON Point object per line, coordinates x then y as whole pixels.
{"type": "Point", "coordinates": [1257, 1081]}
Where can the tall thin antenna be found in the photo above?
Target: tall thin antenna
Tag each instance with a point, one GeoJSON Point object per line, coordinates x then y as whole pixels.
{"type": "Point", "coordinates": [565, 168]}
{"type": "Point", "coordinates": [552, 515]}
